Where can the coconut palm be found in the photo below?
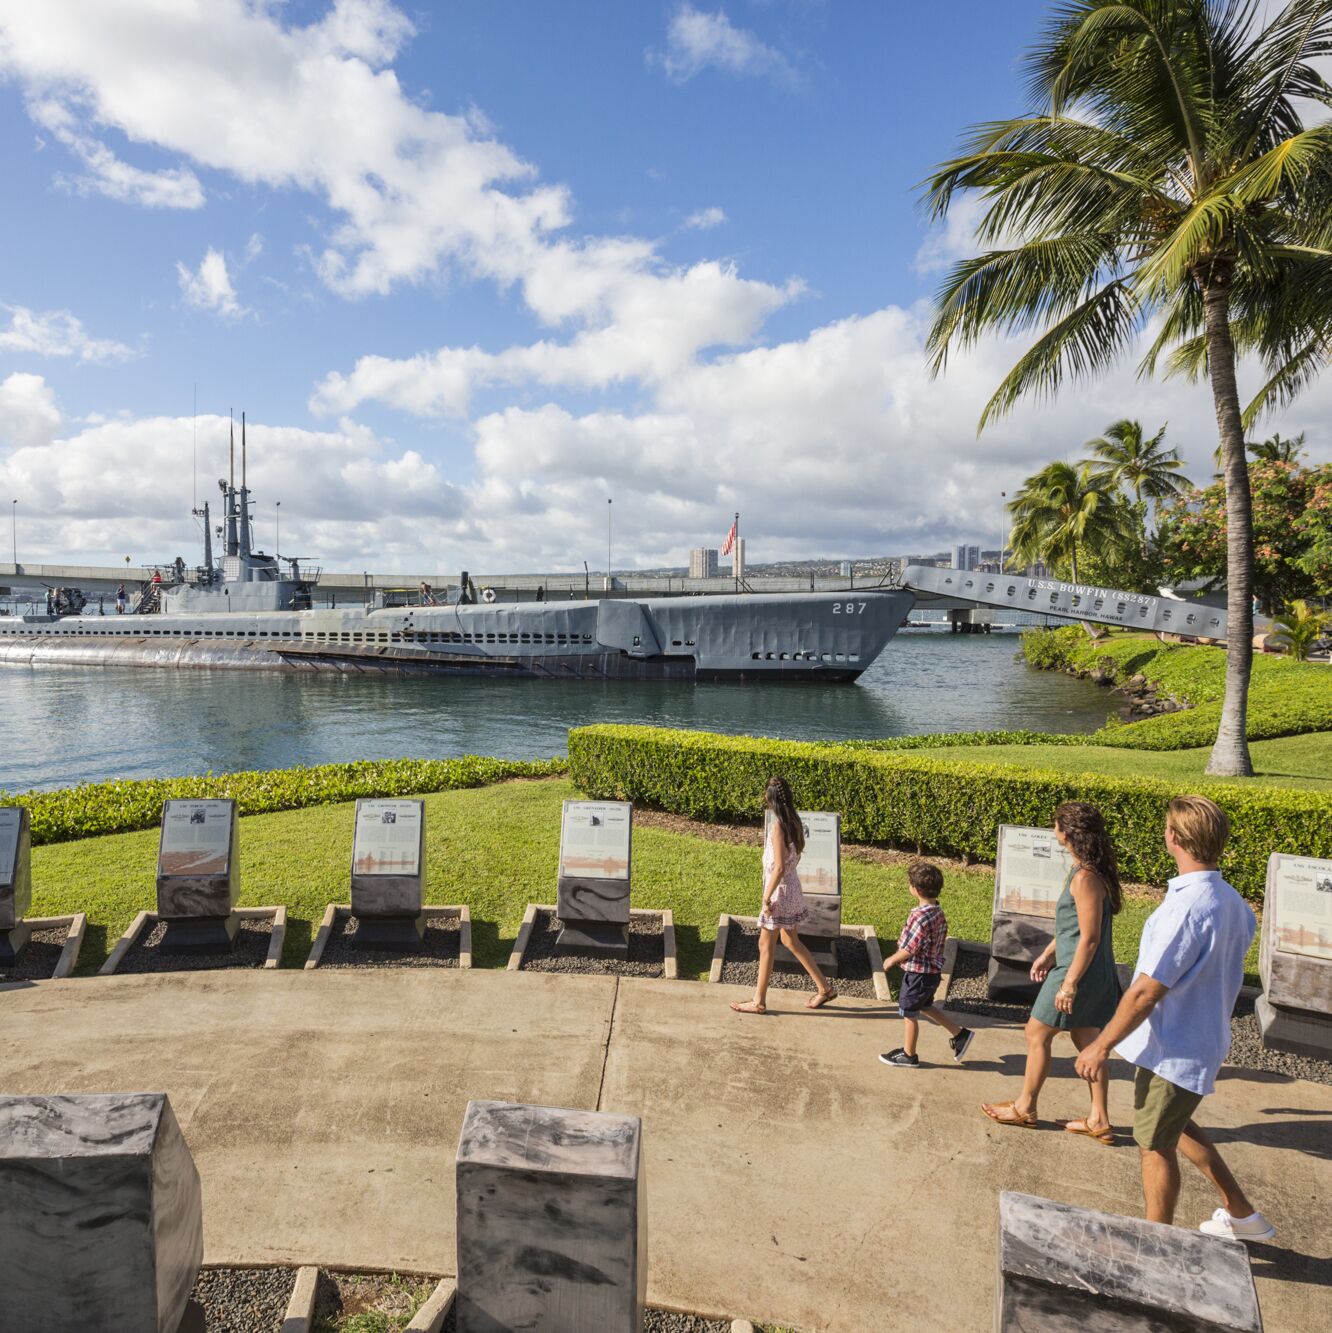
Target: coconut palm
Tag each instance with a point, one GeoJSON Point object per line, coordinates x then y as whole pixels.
{"type": "Point", "coordinates": [1299, 628]}
{"type": "Point", "coordinates": [1063, 511]}
{"type": "Point", "coordinates": [1276, 450]}
{"type": "Point", "coordinates": [1164, 184]}
{"type": "Point", "coordinates": [1125, 457]}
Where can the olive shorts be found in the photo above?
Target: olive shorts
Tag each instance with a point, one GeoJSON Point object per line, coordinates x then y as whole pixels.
{"type": "Point", "coordinates": [1160, 1111]}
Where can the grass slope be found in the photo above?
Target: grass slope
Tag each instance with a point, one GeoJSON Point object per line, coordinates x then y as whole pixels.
{"type": "Point", "coordinates": [495, 849]}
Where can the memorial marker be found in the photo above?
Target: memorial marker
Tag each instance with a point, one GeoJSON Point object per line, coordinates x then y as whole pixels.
{"type": "Point", "coordinates": [1295, 957]}
{"type": "Point", "coordinates": [1030, 868]}
{"type": "Point", "coordinates": [15, 881]}
{"type": "Point", "coordinates": [101, 1220]}
{"type": "Point", "coordinates": [821, 879]}
{"type": "Point", "coordinates": [388, 874]}
{"type": "Point", "coordinates": [592, 893]}
{"type": "Point", "coordinates": [1071, 1270]}
{"type": "Point", "coordinates": [552, 1220]}
{"type": "Point", "coordinates": [198, 876]}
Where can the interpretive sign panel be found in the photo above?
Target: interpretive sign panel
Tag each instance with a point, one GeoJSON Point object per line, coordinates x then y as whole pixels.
{"type": "Point", "coordinates": [821, 861]}
{"type": "Point", "coordinates": [388, 838]}
{"type": "Point", "coordinates": [1029, 872]}
{"type": "Point", "coordinates": [196, 839]}
{"type": "Point", "coordinates": [595, 840]}
{"type": "Point", "coordinates": [1299, 904]}
{"type": "Point", "coordinates": [15, 880]}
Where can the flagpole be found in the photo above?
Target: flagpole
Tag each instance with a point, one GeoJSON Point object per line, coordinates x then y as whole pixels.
{"type": "Point", "coordinates": [735, 552]}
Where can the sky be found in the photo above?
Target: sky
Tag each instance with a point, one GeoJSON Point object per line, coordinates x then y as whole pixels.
{"type": "Point", "coordinates": [471, 268]}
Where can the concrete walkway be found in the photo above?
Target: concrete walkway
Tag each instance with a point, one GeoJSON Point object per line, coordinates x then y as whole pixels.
{"type": "Point", "coordinates": [791, 1177]}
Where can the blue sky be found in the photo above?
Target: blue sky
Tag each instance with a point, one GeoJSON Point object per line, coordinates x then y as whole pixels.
{"type": "Point", "coordinates": [472, 267]}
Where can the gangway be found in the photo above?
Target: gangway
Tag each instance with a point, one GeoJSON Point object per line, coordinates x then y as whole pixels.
{"type": "Point", "coordinates": [1071, 601]}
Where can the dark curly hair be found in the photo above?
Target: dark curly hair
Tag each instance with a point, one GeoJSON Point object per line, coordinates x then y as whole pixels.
{"type": "Point", "coordinates": [777, 797]}
{"type": "Point", "coordinates": [1089, 841]}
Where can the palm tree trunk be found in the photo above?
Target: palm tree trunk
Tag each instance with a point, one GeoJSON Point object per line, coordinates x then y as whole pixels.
{"type": "Point", "coordinates": [1230, 753]}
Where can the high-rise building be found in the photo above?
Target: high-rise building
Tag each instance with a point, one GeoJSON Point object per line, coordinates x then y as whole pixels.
{"type": "Point", "coordinates": [703, 563]}
{"type": "Point", "coordinates": [966, 557]}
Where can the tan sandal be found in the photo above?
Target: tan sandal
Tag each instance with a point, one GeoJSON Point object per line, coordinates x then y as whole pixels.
{"type": "Point", "coordinates": [820, 998]}
{"type": "Point", "coordinates": [749, 1007]}
{"type": "Point", "coordinates": [996, 1112]}
{"type": "Point", "coordinates": [1106, 1135]}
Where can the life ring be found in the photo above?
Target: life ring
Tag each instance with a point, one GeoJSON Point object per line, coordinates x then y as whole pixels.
{"type": "Point", "coordinates": [487, 594]}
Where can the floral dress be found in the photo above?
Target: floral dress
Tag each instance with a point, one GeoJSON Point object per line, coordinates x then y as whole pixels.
{"type": "Point", "coordinates": [786, 906]}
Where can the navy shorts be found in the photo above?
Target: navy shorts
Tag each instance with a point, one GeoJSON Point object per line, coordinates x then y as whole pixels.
{"type": "Point", "coordinates": [917, 992]}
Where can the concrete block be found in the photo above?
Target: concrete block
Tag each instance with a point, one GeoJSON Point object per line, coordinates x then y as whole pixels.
{"type": "Point", "coordinates": [600, 937]}
{"type": "Point", "coordinates": [389, 932]}
{"type": "Point", "coordinates": [300, 1310]}
{"type": "Point", "coordinates": [15, 881]}
{"type": "Point", "coordinates": [1010, 981]}
{"type": "Point", "coordinates": [101, 1223]}
{"type": "Point", "coordinates": [388, 870]}
{"type": "Point", "coordinates": [1015, 943]}
{"type": "Point", "coordinates": [552, 1220]}
{"type": "Point", "coordinates": [1293, 1030]}
{"type": "Point", "coordinates": [198, 876]}
{"type": "Point", "coordinates": [593, 900]}
{"type": "Point", "coordinates": [1070, 1270]}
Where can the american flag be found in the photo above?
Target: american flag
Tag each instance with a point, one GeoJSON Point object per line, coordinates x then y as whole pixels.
{"type": "Point", "coordinates": [729, 544]}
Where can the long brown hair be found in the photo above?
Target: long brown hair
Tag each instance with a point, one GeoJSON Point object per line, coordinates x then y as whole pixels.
{"type": "Point", "coordinates": [777, 797]}
{"type": "Point", "coordinates": [1089, 841]}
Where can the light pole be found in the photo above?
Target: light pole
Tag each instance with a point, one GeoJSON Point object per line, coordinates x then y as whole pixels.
{"type": "Point", "coordinates": [610, 581]}
{"type": "Point", "coordinates": [1003, 528]}
{"type": "Point", "coordinates": [278, 540]}
{"type": "Point", "coordinates": [13, 524]}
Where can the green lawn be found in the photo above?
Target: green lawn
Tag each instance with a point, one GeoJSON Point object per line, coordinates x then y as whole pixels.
{"type": "Point", "coordinates": [1303, 762]}
{"type": "Point", "coordinates": [495, 849]}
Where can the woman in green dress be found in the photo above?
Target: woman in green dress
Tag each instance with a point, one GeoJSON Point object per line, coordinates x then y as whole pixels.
{"type": "Point", "coordinates": [1081, 990]}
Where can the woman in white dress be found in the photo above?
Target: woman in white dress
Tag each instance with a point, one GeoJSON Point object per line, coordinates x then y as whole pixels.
{"type": "Point", "coordinates": [783, 907]}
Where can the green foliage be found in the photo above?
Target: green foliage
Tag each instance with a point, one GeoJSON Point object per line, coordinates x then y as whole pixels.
{"type": "Point", "coordinates": [1064, 513]}
{"type": "Point", "coordinates": [118, 807]}
{"type": "Point", "coordinates": [912, 800]}
{"type": "Point", "coordinates": [1299, 628]}
{"type": "Point", "coordinates": [940, 740]}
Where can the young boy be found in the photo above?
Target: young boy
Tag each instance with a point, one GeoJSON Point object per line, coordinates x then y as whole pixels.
{"type": "Point", "coordinates": [920, 953]}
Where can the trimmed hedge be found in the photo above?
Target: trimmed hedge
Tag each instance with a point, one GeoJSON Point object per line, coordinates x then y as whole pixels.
{"type": "Point", "coordinates": [944, 740]}
{"type": "Point", "coordinates": [908, 800]}
{"type": "Point", "coordinates": [95, 808]}
{"type": "Point", "coordinates": [1286, 698]}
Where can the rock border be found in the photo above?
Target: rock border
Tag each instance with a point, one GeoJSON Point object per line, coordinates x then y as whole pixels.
{"type": "Point", "coordinates": [76, 926]}
{"type": "Point", "coordinates": [866, 933]}
{"type": "Point", "coordinates": [336, 912]}
{"type": "Point", "coordinates": [147, 920]}
{"type": "Point", "coordinates": [669, 966]}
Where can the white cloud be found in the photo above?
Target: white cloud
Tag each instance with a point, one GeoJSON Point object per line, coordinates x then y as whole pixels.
{"type": "Point", "coordinates": [704, 219]}
{"type": "Point", "coordinates": [208, 287]}
{"type": "Point", "coordinates": [697, 40]}
{"type": "Point", "coordinates": [56, 333]}
{"type": "Point", "coordinates": [28, 412]}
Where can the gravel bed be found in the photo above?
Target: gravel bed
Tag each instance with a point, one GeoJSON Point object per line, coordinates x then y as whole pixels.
{"type": "Point", "coordinates": [250, 950]}
{"type": "Point", "coordinates": [740, 965]}
{"type": "Point", "coordinates": [38, 958]}
{"type": "Point", "coordinates": [967, 995]}
{"type": "Point", "coordinates": [244, 1300]}
{"type": "Point", "coordinates": [439, 946]}
{"type": "Point", "coordinates": [647, 950]}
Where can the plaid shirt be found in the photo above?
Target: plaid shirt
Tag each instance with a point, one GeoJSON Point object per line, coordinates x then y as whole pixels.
{"type": "Point", "coordinates": [924, 934]}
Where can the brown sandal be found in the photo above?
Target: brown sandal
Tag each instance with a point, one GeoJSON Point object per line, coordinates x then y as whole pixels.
{"type": "Point", "coordinates": [749, 1007]}
{"type": "Point", "coordinates": [995, 1110]}
{"type": "Point", "coordinates": [1106, 1135]}
{"type": "Point", "coordinates": [820, 998]}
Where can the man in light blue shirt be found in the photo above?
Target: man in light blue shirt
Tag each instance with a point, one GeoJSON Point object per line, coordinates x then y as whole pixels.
{"type": "Point", "coordinates": [1174, 1020]}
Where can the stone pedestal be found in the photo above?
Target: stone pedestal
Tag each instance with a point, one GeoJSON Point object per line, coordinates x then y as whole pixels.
{"type": "Point", "coordinates": [594, 914]}
{"type": "Point", "coordinates": [593, 888]}
{"type": "Point", "coordinates": [552, 1221]}
{"type": "Point", "coordinates": [1015, 943]}
{"type": "Point", "coordinates": [393, 934]}
{"type": "Point", "coordinates": [388, 874]}
{"type": "Point", "coordinates": [1070, 1270]}
{"type": "Point", "coordinates": [101, 1225]}
{"type": "Point", "coordinates": [819, 933]}
{"type": "Point", "coordinates": [198, 876]}
{"type": "Point", "coordinates": [1295, 957]}
{"type": "Point", "coordinates": [15, 882]}
{"type": "Point", "coordinates": [1296, 1031]}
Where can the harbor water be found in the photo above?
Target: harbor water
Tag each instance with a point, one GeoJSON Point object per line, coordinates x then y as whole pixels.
{"type": "Point", "coordinates": [66, 725]}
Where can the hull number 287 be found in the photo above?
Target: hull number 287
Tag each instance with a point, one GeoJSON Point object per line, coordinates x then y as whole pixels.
{"type": "Point", "coordinates": [849, 608]}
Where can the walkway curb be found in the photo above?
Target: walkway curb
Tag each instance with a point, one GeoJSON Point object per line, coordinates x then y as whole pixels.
{"type": "Point", "coordinates": [301, 1306]}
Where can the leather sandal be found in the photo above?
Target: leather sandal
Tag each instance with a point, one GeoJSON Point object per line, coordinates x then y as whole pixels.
{"type": "Point", "coordinates": [1105, 1136]}
{"type": "Point", "coordinates": [995, 1111]}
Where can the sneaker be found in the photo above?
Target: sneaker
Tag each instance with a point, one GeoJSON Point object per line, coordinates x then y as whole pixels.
{"type": "Point", "coordinates": [961, 1044]}
{"type": "Point", "coordinates": [1253, 1227]}
{"type": "Point", "coordinates": [899, 1058]}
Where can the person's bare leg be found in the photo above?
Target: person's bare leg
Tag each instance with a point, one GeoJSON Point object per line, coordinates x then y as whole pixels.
{"type": "Point", "coordinates": [792, 940]}
{"type": "Point", "coordinates": [1099, 1117]}
{"type": "Point", "coordinates": [1197, 1147]}
{"type": "Point", "coordinates": [910, 1034]}
{"type": "Point", "coordinates": [1160, 1184]}
{"type": "Point", "coordinates": [938, 1016]}
{"type": "Point", "coordinates": [1039, 1036]}
{"type": "Point", "coordinates": [767, 948]}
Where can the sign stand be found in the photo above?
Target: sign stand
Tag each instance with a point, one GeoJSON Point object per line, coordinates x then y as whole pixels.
{"type": "Point", "coordinates": [1030, 869]}
{"type": "Point", "coordinates": [592, 892]}
{"type": "Point", "coordinates": [15, 882]}
{"type": "Point", "coordinates": [1294, 1011]}
{"type": "Point", "coordinates": [198, 876]}
{"type": "Point", "coordinates": [821, 878]}
{"type": "Point", "coordinates": [388, 874]}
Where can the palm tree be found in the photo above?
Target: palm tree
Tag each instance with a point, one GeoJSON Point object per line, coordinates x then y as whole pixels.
{"type": "Point", "coordinates": [1124, 457]}
{"type": "Point", "coordinates": [1063, 510]}
{"type": "Point", "coordinates": [1299, 628]}
{"type": "Point", "coordinates": [1276, 450]}
{"type": "Point", "coordinates": [1164, 185]}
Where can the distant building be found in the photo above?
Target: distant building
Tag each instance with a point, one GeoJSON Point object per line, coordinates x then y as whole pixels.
{"type": "Point", "coordinates": [966, 557]}
{"type": "Point", "coordinates": [845, 569]}
{"type": "Point", "coordinates": [703, 563]}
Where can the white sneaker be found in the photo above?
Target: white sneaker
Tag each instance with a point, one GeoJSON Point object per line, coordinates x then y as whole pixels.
{"type": "Point", "coordinates": [1253, 1227]}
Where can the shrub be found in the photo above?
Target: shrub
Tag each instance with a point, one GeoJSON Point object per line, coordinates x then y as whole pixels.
{"type": "Point", "coordinates": [95, 808]}
{"type": "Point", "coordinates": [909, 800]}
{"type": "Point", "coordinates": [943, 740]}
